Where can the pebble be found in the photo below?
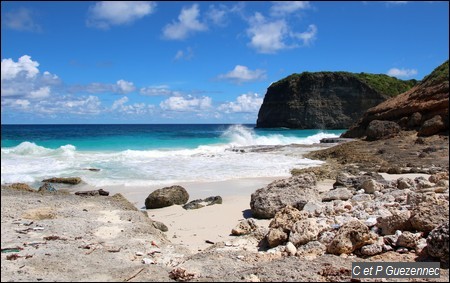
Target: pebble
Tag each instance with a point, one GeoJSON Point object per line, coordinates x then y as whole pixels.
{"type": "Point", "coordinates": [148, 261]}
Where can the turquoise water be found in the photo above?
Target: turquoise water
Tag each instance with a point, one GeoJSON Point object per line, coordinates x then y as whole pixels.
{"type": "Point", "coordinates": [148, 154]}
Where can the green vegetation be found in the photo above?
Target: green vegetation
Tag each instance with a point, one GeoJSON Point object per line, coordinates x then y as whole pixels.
{"type": "Point", "coordinates": [384, 84]}
{"type": "Point", "coordinates": [439, 75]}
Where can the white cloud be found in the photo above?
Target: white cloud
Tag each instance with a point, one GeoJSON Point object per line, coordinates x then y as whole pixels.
{"type": "Point", "coordinates": [105, 14]}
{"type": "Point", "coordinates": [67, 104]}
{"type": "Point", "coordinates": [188, 104]}
{"type": "Point", "coordinates": [270, 35]}
{"type": "Point", "coordinates": [125, 87]}
{"type": "Point", "coordinates": [402, 73]}
{"type": "Point", "coordinates": [120, 87]}
{"type": "Point", "coordinates": [218, 15]}
{"type": "Point", "coordinates": [22, 80]}
{"type": "Point", "coordinates": [184, 54]}
{"type": "Point", "coordinates": [308, 36]}
{"type": "Point", "coordinates": [20, 20]}
{"type": "Point", "coordinates": [21, 103]}
{"type": "Point", "coordinates": [245, 103]}
{"type": "Point", "coordinates": [10, 69]}
{"type": "Point", "coordinates": [267, 37]}
{"type": "Point", "coordinates": [282, 8]}
{"type": "Point", "coordinates": [187, 24]}
{"type": "Point", "coordinates": [40, 93]}
{"type": "Point", "coordinates": [119, 102]}
{"type": "Point", "coordinates": [241, 74]}
{"type": "Point", "coordinates": [161, 90]}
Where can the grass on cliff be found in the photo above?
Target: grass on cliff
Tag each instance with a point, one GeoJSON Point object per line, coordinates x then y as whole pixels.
{"type": "Point", "coordinates": [384, 84]}
{"type": "Point", "coordinates": [439, 75]}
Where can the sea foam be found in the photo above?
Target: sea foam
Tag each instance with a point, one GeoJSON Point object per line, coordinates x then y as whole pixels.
{"type": "Point", "coordinates": [28, 162]}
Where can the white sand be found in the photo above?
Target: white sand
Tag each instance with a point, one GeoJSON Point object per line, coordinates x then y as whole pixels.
{"type": "Point", "coordinates": [214, 223]}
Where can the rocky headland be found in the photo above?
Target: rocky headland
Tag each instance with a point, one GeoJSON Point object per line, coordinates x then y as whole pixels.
{"type": "Point", "coordinates": [325, 100]}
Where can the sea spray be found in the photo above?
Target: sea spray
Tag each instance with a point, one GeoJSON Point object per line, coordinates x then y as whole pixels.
{"type": "Point", "coordinates": [209, 160]}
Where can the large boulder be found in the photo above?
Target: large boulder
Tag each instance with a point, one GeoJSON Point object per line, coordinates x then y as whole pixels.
{"type": "Point", "coordinates": [295, 191]}
{"type": "Point", "coordinates": [286, 218]}
{"type": "Point", "coordinates": [166, 197]}
{"type": "Point", "coordinates": [351, 236]}
{"type": "Point", "coordinates": [304, 231]}
{"type": "Point", "coordinates": [437, 242]}
{"type": "Point", "coordinates": [428, 216]}
{"type": "Point", "coordinates": [399, 220]}
{"type": "Point", "coordinates": [432, 126]}
{"type": "Point", "coordinates": [381, 130]}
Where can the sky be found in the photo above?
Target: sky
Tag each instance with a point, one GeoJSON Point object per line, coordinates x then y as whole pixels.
{"type": "Point", "coordinates": [197, 62]}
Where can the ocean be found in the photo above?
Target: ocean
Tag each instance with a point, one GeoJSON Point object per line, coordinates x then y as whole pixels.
{"type": "Point", "coordinates": [141, 155]}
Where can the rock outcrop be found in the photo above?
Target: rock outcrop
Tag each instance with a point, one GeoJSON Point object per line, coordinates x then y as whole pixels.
{"type": "Point", "coordinates": [295, 191]}
{"type": "Point", "coordinates": [325, 100]}
{"type": "Point", "coordinates": [423, 108]}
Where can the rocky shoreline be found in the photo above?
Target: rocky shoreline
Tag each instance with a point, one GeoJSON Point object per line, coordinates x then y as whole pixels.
{"type": "Point", "coordinates": [315, 232]}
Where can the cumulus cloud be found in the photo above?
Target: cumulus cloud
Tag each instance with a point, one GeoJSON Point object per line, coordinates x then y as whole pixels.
{"type": "Point", "coordinates": [282, 8]}
{"type": "Point", "coordinates": [162, 90]}
{"type": "Point", "coordinates": [11, 70]}
{"type": "Point", "coordinates": [270, 36]}
{"type": "Point", "coordinates": [402, 73]}
{"type": "Point", "coordinates": [123, 86]}
{"type": "Point", "coordinates": [245, 103]}
{"type": "Point", "coordinates": [266, 36]}
{"type": "Point", "coordinates": [187, 24]}
{"type": "Point", "coordinates": [23, 81]}
{"type": "Point", "coordinates": [40, 93]}
{"type": "Point", "coordinates": [105, 14]}
{"type": "Point", "coordinates": [186, 104]}
{"type": "Point", "coordinates": [132, 109]}
{"type": "Point", "coordinates": [308, 36]}
{"type": "Point", "coordinates": [120, 87]}
{"type": "Point", "coordinates": [241, 74]}
{"type": "Point", "coordinates": [20, 20]}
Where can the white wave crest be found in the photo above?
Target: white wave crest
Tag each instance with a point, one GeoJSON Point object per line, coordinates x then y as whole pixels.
{"type": "Point", "coordinates": [242, 136]}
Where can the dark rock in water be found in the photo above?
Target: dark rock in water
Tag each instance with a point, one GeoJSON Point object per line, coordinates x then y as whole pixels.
{"type": "Point", "coordinates": [199, 203]}
{"type": "Point", "coordinates": [46, 188]}
{"type": "Point", "coordinates": [381, 130]}
{"type": "Point", "coordinates": [324, 100]}
{"type": "Point", "coordinates": [438, 243]}
{"type": "Point", "coordinates": [166, 197]}
{"type": "Point", "coordinates": [70, 180]}
{"type": "Point", "coordinates": [92, 169]}
{"type": "Point", "coordinates": [100, 192]}
{"type": "Point", "coordinates": [295, 191]}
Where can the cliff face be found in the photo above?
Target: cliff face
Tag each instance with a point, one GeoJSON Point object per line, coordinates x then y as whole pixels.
{"type": "Point", "coordinates": [423, 108]}
{"type": "Point", "coordinates": [325, 100]}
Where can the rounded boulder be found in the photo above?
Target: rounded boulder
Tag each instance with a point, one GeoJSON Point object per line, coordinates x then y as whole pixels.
{"type": "Point", "coordinates": [166, 197]}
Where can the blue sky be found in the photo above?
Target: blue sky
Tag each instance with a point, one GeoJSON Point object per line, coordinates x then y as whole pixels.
{"type": "Point", "coordinates": [197, 62]}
